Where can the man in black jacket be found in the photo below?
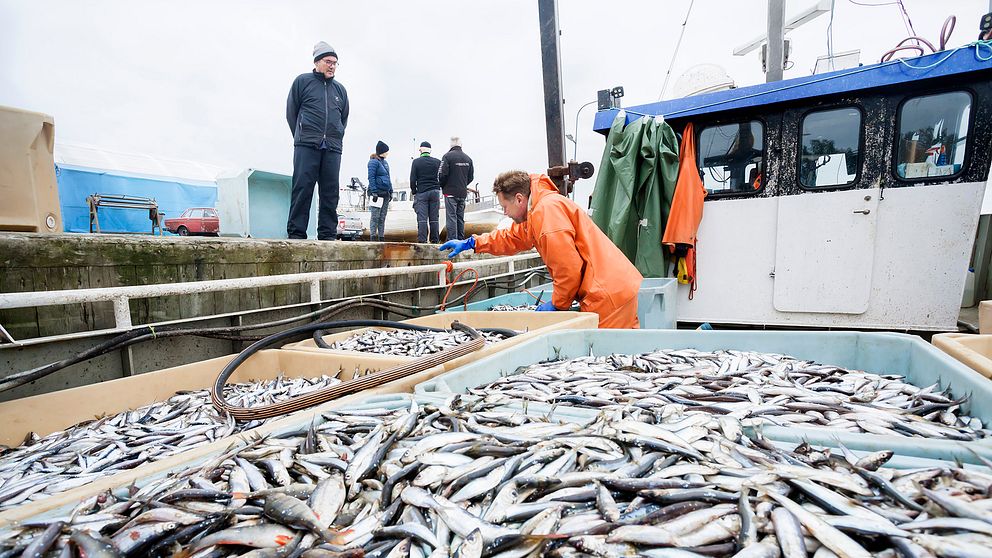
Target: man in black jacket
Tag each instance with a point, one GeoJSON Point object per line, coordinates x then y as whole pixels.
{"type": "Point", "coordinates": [426, 193]}
{"type": "Point", "coordinates": [317, 113]}
{"type": "Point", "coordinates": [457, 172]}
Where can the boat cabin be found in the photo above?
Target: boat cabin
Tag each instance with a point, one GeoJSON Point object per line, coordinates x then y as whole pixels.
{"type": "Point", "coordinates": [849, 199]}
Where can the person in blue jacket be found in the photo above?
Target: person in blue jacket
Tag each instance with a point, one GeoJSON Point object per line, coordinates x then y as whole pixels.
{"type": "Point", "coordinates": [380, 191]}
{"type": "Point", "coordinates": [317, 114]}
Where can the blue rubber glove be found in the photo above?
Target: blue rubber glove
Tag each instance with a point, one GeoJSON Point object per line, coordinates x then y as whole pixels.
{"type": "Point", "coordinates": [458, 246]}
{"type": "Point", "coordinates": [547, 306]}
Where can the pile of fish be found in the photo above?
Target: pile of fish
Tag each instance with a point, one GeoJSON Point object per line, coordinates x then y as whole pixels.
{"type": "Point", "coordinates": [73, 457]}
{"type": "Point", "coordinates": [472, 482]}
{"type": "Point", "coordinates": [405, 342]}
{"type": "Point", "coordinates": [756, 388]}
{"type": "Point", "coordinates": [512, 308]}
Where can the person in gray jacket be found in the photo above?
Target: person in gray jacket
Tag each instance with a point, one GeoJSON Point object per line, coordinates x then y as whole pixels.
{"type": "Point", "coordinates": [457, 172]}
{"type": "Point", "coordinates": [426, 194]}
{"type": "Point", "coordinates": [317, 113]}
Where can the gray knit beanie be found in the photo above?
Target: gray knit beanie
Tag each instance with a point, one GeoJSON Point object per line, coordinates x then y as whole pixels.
{"type": "Point", "coordinates": [321, 50]}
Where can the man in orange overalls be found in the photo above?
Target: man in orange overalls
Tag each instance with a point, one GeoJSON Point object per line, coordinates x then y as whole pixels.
{"type": "Point", "coordinates": [584, 264]}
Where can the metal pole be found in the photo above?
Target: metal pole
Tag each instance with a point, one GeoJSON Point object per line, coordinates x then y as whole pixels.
{"type": "Point", "coordinates": [776, 41]}
{"type": "Point", "coordinates": [575, 152]}
{"type": "Point", "coordinates": [553, 102]}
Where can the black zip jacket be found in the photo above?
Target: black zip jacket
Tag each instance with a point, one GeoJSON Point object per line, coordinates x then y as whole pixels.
{"type": "Point", "coordinates": [423, 174]}
{"type": "Point", "coordinates": [317, 110]}
{"type": "Point", "coordinates": [457, 172]}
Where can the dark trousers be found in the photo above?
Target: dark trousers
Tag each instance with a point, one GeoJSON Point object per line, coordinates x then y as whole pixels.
{"type": "Point", "coordinates": [377, 221]}
{"type": "Point", "coordinates": [312, 165]}
{"type": "Point", "coordinates": [426, 205]}
{"type": "Point", "coordinates": [454, 216]}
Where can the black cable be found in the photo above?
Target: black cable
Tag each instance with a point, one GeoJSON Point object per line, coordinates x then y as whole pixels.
{"type": "Point", "coordinates": [283, 337]}
{"type": "Point", "coordinates": [146, 333]}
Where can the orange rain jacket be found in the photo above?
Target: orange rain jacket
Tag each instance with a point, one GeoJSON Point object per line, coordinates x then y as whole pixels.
{"type": "Point", "coordinates": [584, 264]}
{"type": "Point", "coordinates": [687, 206]}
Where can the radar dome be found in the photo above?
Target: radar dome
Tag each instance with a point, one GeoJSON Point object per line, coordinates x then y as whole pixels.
{"type": "Point", "coordinates": [702, 78]}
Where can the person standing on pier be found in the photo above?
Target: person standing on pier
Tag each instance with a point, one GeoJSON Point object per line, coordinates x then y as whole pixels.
{"type": "Point", "coordinates": [584, 264]}
{"type": "Point", "coordinates": [317, 113]}
{"type": "Point", "coordinates": [425, 188]}
{"type": "Point", "coordinates": [380, 191]}
{"type": "Point", "coordinates": [456, 173]}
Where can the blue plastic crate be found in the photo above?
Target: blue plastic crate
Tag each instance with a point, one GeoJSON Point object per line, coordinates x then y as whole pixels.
{"type": "Point", "coordinates": [514, 299]}
{"type": "Point", "coordinates": [656, 302]}
{"type": "Point", "coordinates": [885, 353]}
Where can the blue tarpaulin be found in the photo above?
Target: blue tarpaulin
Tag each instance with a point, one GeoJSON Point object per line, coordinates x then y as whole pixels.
{"type": "Point", "coordinates": [173, 198]}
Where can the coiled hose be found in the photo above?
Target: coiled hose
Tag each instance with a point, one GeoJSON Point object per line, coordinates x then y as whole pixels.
{"type": "Point", "coordinates": [318, 335]}
{"type": "Point", "coordinates": [338, 390]}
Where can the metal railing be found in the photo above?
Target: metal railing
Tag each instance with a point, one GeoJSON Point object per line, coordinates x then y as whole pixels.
{"type": "Point", "coordinates": [122, 296]}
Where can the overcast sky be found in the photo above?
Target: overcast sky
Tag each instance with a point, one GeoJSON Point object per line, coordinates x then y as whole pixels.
{"type": "Point", "coordinates": [207, 81]}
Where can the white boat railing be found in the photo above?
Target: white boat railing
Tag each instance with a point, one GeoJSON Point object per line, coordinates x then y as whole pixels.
{"type": "Point", "coordinates": [122, 296]}
{"type": "Point", "coordinates": [487, 202]}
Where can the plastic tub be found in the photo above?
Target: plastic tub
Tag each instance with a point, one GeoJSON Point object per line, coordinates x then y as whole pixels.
{"type": "Point", "coordinates": [886, 353]}
{"type": "Point", "coordinates": [48, 412]}
{"type": "Point", "coordinates": [656, 301]}
{"type": "Point", "coordinates": [973, 350]}
{"type": "Point", "coordinates": [28, 185]}
{"type": "Point", "coordinates": [61, 504]}
{"type": "Point", "coordinates": [512, 299]}
{"type": "Point", "coordinates": [531, 323]}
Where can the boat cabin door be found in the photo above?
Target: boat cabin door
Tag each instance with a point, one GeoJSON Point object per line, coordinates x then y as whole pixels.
{"type": "Point", "coordinates": [826, 235]}
{"type": "Point", "coordinates": [824, 251]}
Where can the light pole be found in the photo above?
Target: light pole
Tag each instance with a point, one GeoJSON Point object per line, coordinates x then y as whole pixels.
{"type": "Point", "coordinates": [575, 139]}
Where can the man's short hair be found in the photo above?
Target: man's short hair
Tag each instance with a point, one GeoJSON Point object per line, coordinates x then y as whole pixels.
{"type": "Point", "coordinates": [511, 183]}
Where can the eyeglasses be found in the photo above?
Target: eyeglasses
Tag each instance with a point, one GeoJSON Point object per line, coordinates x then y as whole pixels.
{"type": "Point", "coordinates": [331, 64]}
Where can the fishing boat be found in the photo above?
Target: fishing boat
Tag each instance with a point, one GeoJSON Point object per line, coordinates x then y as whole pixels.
{"type": "Point", "coordinates": [482, 213]}
{"type": "Point", "coordinates": [847, 199]}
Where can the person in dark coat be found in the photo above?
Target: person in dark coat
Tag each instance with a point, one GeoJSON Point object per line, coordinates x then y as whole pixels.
{"type": "Point", "coordinates": [456, 173]}
{"type": "Point", "coordinates": [380, 191]}
{"type": "Point", "coordinates": [426, 192]}
{"type": "Point", "coordinates": [317, 113]}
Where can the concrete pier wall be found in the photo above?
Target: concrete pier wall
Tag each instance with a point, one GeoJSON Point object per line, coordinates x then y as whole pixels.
{"type": "Point", "coordinates": [36, 262]}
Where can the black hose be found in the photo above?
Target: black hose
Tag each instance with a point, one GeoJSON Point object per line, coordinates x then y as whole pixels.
{"type": "Point", "coordinates": [146, 333]}
{"type": "Point", "coordinates": [318, 335]}
{"type": "Point", "coordinates": [303, 401]}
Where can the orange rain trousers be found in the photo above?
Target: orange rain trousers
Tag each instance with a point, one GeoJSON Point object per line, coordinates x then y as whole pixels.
{"type": "Point", "coordinates": [584, 264]}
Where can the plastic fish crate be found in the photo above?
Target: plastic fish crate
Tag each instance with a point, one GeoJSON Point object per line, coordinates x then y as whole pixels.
{"type": "Point", "coordinates": [656, 301]}
{"type": "Point", "coordinates": [530, 324]}
{"type": "Point", "coordinates": [512, 299]}
{"type": "Point", "coordinates": [885, 353]}
{"type": "Point", "coordinates": [49, 412]}
{"type": "Point", "coordinates": [973, 350]}
{"type": "Point", "coordinates": [62, 504]}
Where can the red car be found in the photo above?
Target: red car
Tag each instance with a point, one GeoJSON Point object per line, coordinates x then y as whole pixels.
{"type": "Point", "coordinates": [195, 220]}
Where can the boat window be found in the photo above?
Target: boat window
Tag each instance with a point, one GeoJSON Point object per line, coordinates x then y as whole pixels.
{"type": "Point", "coordinates": [731, 157]}
{"type": "Point", "coordinates": [831, 153]}
{"type": "Point", "coordinates": [933, 134]}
